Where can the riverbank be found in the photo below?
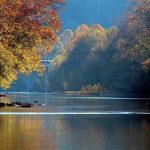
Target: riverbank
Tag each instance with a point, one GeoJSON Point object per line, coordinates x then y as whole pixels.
{"type": "Point", "coordinates": [80, 93]}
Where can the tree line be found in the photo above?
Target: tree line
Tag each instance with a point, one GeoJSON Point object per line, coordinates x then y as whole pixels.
{"type": "Point", "coordinates": [115, 59]}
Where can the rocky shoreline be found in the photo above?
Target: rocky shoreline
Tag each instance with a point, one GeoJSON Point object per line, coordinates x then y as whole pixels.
{"type": "Point", "coordinates": [21, 104]}
{"type": "Point", "coordinates": [3, 95]}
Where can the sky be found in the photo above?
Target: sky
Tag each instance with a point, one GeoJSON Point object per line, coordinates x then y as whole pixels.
{"type": "Point", "coordinates": [104, 12]}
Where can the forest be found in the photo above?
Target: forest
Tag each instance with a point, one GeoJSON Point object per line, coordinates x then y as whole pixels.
{"type": "Point", "coordinates": [94, 59]}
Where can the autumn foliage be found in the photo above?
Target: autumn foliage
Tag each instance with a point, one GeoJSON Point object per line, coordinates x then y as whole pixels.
{"type": "Point", "coordinates": [134, 39]}
{"type": "Point", "coordinates": [94, 36]}
{"type": "Point", "coordinates": [27, 31]}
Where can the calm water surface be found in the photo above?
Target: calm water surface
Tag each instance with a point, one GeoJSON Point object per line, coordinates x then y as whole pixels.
{"type": "Point", "coordinates": [107, 130]}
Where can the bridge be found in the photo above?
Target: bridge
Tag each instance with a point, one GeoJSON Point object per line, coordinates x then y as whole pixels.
{"type": "Point", "coordinates": [46, 62]}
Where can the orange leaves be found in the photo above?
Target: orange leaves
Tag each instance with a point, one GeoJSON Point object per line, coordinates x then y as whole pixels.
{"type": "Point", "coordinates": [84, 32]}
{"type": "Point", "coordinates": [146, 64]}
{"type": "Point", "coordinates": [55, 21]}
{"type": "Point", "coordinates": [25, 26]}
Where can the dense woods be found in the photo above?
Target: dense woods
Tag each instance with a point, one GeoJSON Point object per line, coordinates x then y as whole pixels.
{"type": "Point", "coordinates": [134, 44]}
{"type": "Point", "coordinates": [92, 57]}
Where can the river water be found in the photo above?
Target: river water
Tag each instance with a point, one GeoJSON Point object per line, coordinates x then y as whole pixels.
{"type": "Point", "coordinates": [59, 122]}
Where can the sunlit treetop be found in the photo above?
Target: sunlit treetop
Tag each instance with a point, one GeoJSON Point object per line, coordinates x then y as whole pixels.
{"type": "Point", "coordinates": [28, 30]}
{"type": "Point", "coordinates": [84, 32]}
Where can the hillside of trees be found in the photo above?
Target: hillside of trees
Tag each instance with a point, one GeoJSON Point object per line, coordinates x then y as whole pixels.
{"type": "Point", "coordinates": [115, 59]}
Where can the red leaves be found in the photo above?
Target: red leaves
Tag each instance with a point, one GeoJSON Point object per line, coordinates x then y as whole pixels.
{"type": "Point", "coordinates": [37, 16]}
{"type": "Point", "coordinates": [28, 29]}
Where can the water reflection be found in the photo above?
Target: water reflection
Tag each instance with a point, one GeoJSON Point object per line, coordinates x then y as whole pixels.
{"type": "Point", "coordinates": [74, 132]}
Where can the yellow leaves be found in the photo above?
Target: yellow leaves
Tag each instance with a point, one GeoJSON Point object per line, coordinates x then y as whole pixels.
{"type": "Point", "coordinates": [7, 72]}
{"type": "Point", "coordinates": [58, 60]}
{"type": "Point", "coordinates": [96, 88]}
{"type": "Point", "coordinates": [25, 26]}
{"type": "Point", "coordinates": [95, 32]}
{"type": "Point", "coordinates": [8, 79]}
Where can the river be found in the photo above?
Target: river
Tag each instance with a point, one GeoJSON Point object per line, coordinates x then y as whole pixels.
{"type": "Point", "coordinates": [59, 122]}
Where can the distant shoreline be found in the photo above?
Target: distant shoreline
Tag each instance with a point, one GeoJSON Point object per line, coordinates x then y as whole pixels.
{"type": "Point", "coordinates": [79, 93]}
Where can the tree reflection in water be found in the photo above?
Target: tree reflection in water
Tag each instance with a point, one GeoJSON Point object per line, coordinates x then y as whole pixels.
{"type": "Point", "coordinates": [74, 132]}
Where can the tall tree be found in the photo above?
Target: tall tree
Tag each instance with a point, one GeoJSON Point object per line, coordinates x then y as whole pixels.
{"type": "Point", "coordinates": [134, 40]}
{"type": "Point", "coordinates": [134, 44]}
{"type": "Point", "coordinates": [28, 30]}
